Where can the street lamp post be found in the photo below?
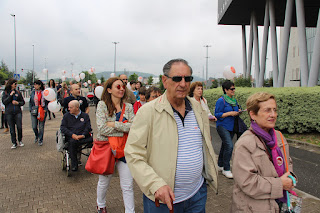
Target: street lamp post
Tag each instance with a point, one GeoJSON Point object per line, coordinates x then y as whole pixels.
{"type": "Point", "coordinates": [15, 43]}
{"type": "Point", "coordinates": [115, 56]}
{"type": "Point", "coordinates": [207, 46]}
{"type": "Point", "coordinates": [33, 63]}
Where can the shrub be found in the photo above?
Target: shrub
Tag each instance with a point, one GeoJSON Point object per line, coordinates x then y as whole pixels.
{"type": "Point", "coordinates": [298, 106]}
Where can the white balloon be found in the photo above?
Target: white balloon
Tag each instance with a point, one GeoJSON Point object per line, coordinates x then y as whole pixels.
{"type": "Point", "coordinates": [63, 72]}
{"type": "Point", "coordinates": [45, 71]}
{"type": "Point", "coordinates": [93, 69]}
{"type": "Point", "coordinates": [229, 72]}
{"type": "Point", "coordinates": [98, 91]}
{"type": "Point", "coordinates": [99, 81]}
{"type": "Point", "coordinates": [77, 78]}
{"type": "Point", "coordinates": [112, 75]}
{"type": "Point", "coordinates": [140, 78]}
{"type": "Point", "coordinates": [63, 78]}
{"type": "Point", "coordinates": [82, 75]}
{"type": "Point", "coordinates": [85, 84]}
{"type": "Point", "coordinates": [49, 94]}
{"type": "Point", "coordinates": [89, 81]}
{"type": "Point", "coordinates": [54, 106]}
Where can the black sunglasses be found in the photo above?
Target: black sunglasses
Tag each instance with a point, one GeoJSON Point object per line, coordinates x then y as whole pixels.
{"type": "Point", "coordinates": [232, 89]}
{"type": "Point", "coordinates": [179, 78]}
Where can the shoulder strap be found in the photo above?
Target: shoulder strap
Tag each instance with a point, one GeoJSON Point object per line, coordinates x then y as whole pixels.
{"type": "Point", "coordinates": [122, 112]}
{"type": "Point", "coordinates": [284, 151]}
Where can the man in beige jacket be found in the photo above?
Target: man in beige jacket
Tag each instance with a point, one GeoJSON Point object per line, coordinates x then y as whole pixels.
{"type": "Point", "coordinates": [169, 150]}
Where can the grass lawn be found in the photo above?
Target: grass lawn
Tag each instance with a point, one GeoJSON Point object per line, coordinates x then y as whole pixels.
{"type": "Point", "coordinates": [313, 138]}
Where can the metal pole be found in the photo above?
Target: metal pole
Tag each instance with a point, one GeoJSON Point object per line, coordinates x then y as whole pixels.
{"type": "Point", "coordinates": [264, 46]}
{"type": "Point", "coordinates": [302, 43]}
{"type": "Point", "coordinates": [115, 56]}
{"type": "Point", "coordinates": [285, 43]}
{"type": "Point", "coordinates": [315, 63]}
{"type": "Point", "coordinates": [275, 64]}
{"type": "Point", "coordinates": [15, 43]}
{"type": "Point", "coordinates": [256, 49]}
{"type": "Point", "coordinates": [33, 64]}
{"type": "Point", "coordinates": [250, 49]}
{"type": "Point", "coordinates": [207, 46]}
{"type": "Point", "coordinates": [244, 51]}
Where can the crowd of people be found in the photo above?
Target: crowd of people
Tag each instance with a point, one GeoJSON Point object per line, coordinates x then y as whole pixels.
{"type": "Point", "coordinates": [169, 151]}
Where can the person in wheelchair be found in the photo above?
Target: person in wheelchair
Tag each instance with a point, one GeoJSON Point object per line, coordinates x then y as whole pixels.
{"type": "Point", "coordinates": [76, 127]}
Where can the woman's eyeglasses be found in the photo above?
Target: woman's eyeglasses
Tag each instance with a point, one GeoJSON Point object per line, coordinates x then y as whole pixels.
{"type": "Point", "coordinates": [179, 78]}
{"type": "Point", "coordinates": [119, 86]}
{"type": "Point", "coordinates": [232, 89]}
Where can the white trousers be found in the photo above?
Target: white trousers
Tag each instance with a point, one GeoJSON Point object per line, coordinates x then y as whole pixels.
{"type": "Point", "coordinates": [126, 183]}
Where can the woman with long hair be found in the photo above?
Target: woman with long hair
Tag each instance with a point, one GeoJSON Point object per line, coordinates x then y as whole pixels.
{"type": "Point", "coordinates": [36, 100]}
{"type": "Point", "coordinates": [108, 114]}
{"type": "Point", "coordinates": [52, 85]}
{"type": "Point", "coordinates": [13, 100]}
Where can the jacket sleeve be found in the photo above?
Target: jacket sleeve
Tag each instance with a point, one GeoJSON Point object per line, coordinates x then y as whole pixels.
{"type": "Point", "coordinates": [247, 176]}
{"type": "Point", "coordinates": [219, 110]}
{"type": "Point", "coordinates": [6, 98]}
{"type": "Point", "coordinates": [125, 127]}
{"type": "Point", "coordinates": [87, 128]}
{"type": "Point", "coordinates": [101, 119]}
{"type": "Point", "coordinates": [136, 153]}
{"type": "Point", "coordinates": [21, 99]}
{"type": "Point", "coordinates": [31, 101]}
{"type": "Point", "coordinates": [64, 126]}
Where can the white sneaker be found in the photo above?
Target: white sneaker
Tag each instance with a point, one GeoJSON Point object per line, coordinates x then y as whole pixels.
{"type": "Point", "coordinates": [21, 144]}
{"type": "Point", "coordinates": [14, 146]}
{"type": "Point", "coordinates": [220, 169]}
{"type": "Point", "coordinates": [228, 174]}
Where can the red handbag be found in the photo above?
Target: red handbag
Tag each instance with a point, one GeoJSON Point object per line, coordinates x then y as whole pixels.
{"type": "Point", "coordinates": [41, 113]}
{"type": "Point", "coordinates": [118, 143]}
{"type": "Point", "coordinates": [101, 160]}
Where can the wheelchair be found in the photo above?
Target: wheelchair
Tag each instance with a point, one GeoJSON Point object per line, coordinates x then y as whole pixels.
{"type": "Point", "coordinates": [62, 147]}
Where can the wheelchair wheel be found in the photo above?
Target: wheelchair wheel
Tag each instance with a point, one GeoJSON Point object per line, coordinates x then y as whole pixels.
{"type": "Point", "coordinates": [68, 166]}
{"type": "Point", "coordinates": [63, 161]}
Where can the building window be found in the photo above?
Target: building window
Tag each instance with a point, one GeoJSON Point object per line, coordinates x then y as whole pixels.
{"type": "Point", "coordinates": [297, 74]}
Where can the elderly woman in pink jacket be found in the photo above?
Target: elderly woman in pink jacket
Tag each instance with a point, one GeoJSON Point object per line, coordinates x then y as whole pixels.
{"type": "Point", "coordinates": [261, 161]}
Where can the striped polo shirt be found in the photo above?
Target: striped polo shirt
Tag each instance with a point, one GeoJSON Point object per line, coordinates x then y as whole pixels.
{"type": "Point", "coordinates": [188, 179]}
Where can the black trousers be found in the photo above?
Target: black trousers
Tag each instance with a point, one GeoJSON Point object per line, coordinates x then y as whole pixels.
{"type": "Point", "coordinates": [15, 120]}
{"type": "Point", "coordinates": [4, 122]}
{"type": "Point", "coordinates": [73, 148]}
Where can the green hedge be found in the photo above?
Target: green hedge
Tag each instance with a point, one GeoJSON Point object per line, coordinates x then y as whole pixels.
{"type": "Point", "coordinates": [299, 107]}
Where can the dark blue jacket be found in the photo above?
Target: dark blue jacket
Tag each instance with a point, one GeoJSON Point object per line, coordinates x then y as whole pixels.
{"type": "Point", "coordinates": [82, 100]}
{"type": "Point", "coordinates": [72, 125]}
{"type": "Point", "coordinates": [221, 107]}
{"type": "Point", "coordinates": [7, 101]}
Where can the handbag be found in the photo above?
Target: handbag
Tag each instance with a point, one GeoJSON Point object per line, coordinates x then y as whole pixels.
{"type": "Point", "coordinates": [118, 143]}
{"type": "Point", "coordinates": [34, 110]}
{"type": "Point", "coordinates": [101, 160]}
{"type": "Point", "coordinates": [41, 113]}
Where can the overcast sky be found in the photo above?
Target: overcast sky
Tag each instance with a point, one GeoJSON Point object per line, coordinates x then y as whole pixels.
{"type": "Point", "coordinates": [150, 34]}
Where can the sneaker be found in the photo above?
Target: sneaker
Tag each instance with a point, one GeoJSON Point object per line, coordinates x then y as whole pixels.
{"type": "Point", "coordinates": [101, 210]}
{"type": "Point", "coordinates": [6, 130]}
{"type": "Point", "coordinates": [228, 174]}
{"type": "Point", "coordinates": [21, 144]}
{"type": "Point", "coordinates": [14, 146]}
{"type": "Point", "coordinates": [40, 143]}
{"type": "Point", "coordinates": [36, 140]}
{"type": "Point", "coordinates": [220, 169]}
{"type": "Point", "coordinates": [79, 163]}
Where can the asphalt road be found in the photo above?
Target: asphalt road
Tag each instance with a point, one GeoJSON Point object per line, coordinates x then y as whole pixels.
{"type": "Point", "coordinates": [306, 165]}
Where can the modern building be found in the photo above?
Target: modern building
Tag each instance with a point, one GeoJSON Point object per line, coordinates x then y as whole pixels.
{"type": "Point", "coordinates": [299, 49]}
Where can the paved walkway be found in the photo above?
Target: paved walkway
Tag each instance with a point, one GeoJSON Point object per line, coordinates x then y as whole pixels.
{"type": "Point", "coordinates": [31, 180]}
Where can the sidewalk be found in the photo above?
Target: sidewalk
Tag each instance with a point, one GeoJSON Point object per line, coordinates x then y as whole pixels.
{"type": "Point", "coordinates": [31, 179]}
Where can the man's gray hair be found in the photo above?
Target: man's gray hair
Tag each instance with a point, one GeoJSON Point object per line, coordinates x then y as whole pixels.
{"type": "Point", "coordinates": [75, 103]}
{"type": "Point", "coordinates": [167, 66]}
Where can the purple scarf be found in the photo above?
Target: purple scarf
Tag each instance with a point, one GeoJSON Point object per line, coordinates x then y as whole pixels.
{"type": "Point", "coordinates": [270, 140]}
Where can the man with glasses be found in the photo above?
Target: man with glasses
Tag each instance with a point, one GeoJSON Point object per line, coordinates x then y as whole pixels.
{"type": "Point", "coordinates": [169, 149]}
{"type": "Point", "coordinates": [131, 98]}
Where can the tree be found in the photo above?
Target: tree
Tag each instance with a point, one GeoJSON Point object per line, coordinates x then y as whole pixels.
{"type": "Point", "coordinates": [29, 77]}
{"type": "Point", "coordinates": [150, 80]}
{"type": "Point", "coordinates": [102, 79]}
{"type": "Point", "coordinates": [133, 77]}
{"type": "Point", "coordinates": [242, 82]}
{"type": "Point", "coordinates": [92, 78]}
{"type": "Point", "coordinates": [161, 87]}
{"type": "Point", "coordinates": [5, 74]}
{"type": "Point", "coordinates": [214, 84]}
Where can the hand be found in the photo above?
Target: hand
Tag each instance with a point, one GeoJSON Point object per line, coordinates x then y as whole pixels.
{"type": "Point", "coordinates": [75, 137]}
{"type": "Point", "coordinates": [110, 124]}
{"type": "Point", "coordinates": [286, 181]}
{"type": "Point", "coordinates": [14, 102]}
{"type": "Point", "coordinates": [212, 118]}
{"type": "Point", "coordinates": [166, 195]}
{"type": "Point", "coordinates": [233, 113]}
{"type": "Point", "coordinates": [12, 92]}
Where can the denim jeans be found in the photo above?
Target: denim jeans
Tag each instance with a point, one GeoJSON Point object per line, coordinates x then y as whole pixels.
{"type": "Point", "coordinates": [35, 123]}
{"type": "Point", "coordinates": [226, 147]}
{"type": "Point", "coordinates": [13, 121]}
{"type": "Point", "coordinates": [197, 203]}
